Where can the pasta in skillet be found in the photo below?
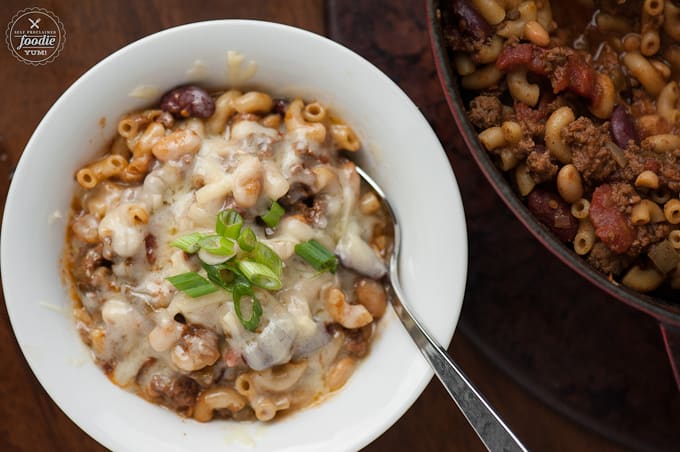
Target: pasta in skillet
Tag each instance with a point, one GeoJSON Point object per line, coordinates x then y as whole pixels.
{"type": "Point", "coordinates": [579, 105]}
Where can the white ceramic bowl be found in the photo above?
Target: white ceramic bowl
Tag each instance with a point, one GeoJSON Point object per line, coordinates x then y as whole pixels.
{"type": "Point", "coordinates": [402, 153]}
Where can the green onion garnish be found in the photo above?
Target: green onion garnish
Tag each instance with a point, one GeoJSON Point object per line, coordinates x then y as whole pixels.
{"type": "Point", "coordinates": [192, 284]}
{"type": "Point", "coordinates": [273, 216]}
{"type": "Point", "coordinates": [260, 275]}
{"type": "Point", "coordinates": [188, 243]}
{"type": "Point", "coordinates": [220, 274]}
{"type": "Point", "coordinates": [229, 223]}
{"type": "Point", "coordinates": [247, 240]}
{"type": "Point", "coordinates": [267, 256]}
{"type": "Point", "coordinates": [317, 256]}
{"type": "Point", "coordinates": [234, 260]}
{"type": "Point", "coordinates": [218, 245]}
{"type": "Point", "coordinates": [242, 289]}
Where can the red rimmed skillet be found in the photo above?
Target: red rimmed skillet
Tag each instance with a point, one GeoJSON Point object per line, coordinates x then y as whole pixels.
{"type": "Point", "coordinates": [663, 309]}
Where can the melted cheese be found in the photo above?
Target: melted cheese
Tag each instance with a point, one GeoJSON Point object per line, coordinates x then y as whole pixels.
{"type": "Point", "coordinates": [139, 325]}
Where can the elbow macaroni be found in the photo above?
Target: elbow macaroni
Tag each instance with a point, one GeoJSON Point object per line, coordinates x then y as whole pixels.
{"type": "Point", "coordinates": [558, 120]}
{"type": "Point", "coordinates": [294, 120]}
{"type": "Point", "coordinates": [521, 89]}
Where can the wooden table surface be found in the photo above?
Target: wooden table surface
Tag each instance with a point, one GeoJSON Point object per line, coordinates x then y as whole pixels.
{"type": "Point", "coordinates": [30, 421]}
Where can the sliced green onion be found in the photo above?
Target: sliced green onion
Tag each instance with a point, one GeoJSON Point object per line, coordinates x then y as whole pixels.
{"type": "Point", "coordinates": [247, 240]}
{"type": "Point", "coordinates": [317, 256]}
{"type": "Point", "coordinates": [267, 256]}
{"type": "Point", "coordinates": [238, 278]}
{"type": "Point", "coordinates": [216, 244]}
{"type": "Point", "coordinates": [260, 275]}
{"type": "Point", "coordinates": [188, 243]}
{"type": "Point", "coordinates": [273, 216]}
{"type": "Point", "coordinates": [229, 223]}
{"type": "Point", "coordinates": [221, 275]}
{"type": "Point", "coordinates": [242, 289]}
{"type": "Point", "coordinates": [192, 284]}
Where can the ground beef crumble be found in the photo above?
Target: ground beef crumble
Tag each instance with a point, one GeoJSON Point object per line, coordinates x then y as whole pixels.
{"type": "Point", "coordinates": [541, 166]}
{"type": "Point", "coordinates": [636, 162]}
{"type": "Point", "coordinates": [533, 120]}
{"type": "Point", "coordinates": [178, 394]}
{"type": "Point", "coordinates": [485, 111]}
{"type": "Point", "coordinates": [606, 261]}
{"type": "Point", "coordinates": [624, 197]}
{"type": "Point", "coordinates": [590, 153]}
{"type": "Point", "coordinates": [647, 235]}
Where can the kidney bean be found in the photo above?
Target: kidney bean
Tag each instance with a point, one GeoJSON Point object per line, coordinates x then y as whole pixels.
{"type": "Point", "coordinates": [622, 127]}
{"type": "Point", "coordinates": [475, 23]}
{"type": "Point", "coordinates": [611, 225]}
{"type": "Point", "coordinates": [188, 101]}
{"type": "Point", "coordinates": [552, 211]}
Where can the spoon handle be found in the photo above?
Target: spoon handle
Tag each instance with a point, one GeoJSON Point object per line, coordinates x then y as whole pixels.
{"type": "Point", "coordinates": [493, 432]}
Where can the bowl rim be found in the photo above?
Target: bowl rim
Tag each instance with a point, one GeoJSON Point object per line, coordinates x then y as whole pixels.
{"type": "Point", "coordinates": [380, 426]}
{"type": "Point", "coordinates": [660, 309]}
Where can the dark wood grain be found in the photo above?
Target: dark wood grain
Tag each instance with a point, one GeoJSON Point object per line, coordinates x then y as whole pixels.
{"type": "Point", "coordinates": [390, 34]}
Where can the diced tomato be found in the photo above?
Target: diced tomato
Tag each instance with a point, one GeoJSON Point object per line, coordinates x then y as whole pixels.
{"type": "Point", "coordinates": [611, 225]}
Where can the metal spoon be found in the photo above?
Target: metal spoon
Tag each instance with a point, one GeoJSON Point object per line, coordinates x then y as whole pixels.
{"type": "Point", "coordinates": [488, 425]}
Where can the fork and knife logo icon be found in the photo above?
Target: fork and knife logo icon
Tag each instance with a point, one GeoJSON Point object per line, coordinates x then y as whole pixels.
{"type": "Point", "coordinates": [35, 36]}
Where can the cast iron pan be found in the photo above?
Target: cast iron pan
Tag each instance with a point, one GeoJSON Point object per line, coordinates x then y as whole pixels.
{"type": "Point", "coordinates": [661, 307]}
